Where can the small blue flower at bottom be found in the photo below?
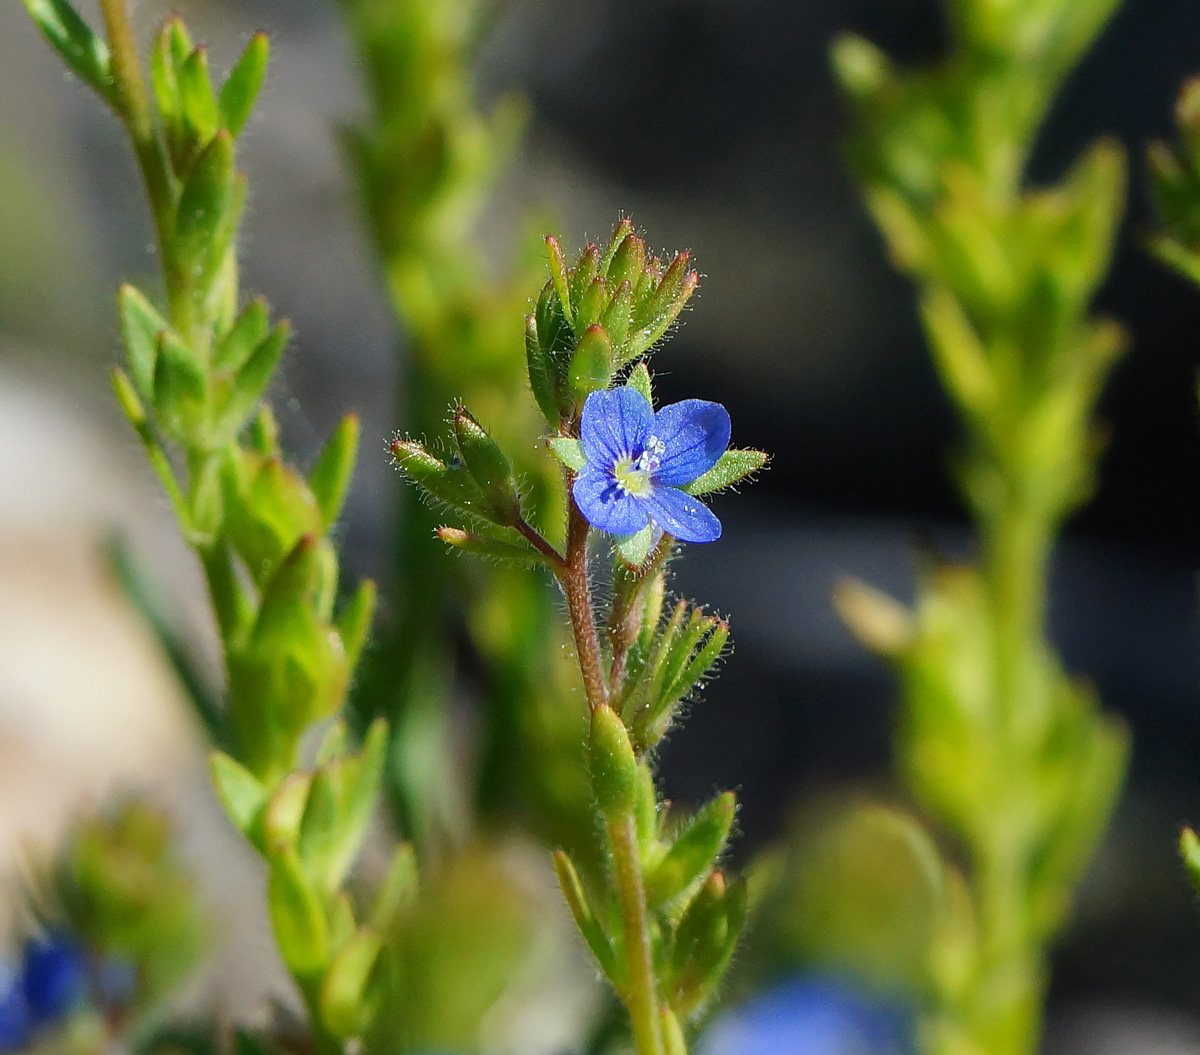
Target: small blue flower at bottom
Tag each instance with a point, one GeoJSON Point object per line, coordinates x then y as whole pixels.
{"type": "Point", "coordinates": [54, 973]}
{"type": "Point", "coordinates": [637, 461]}
{"type": "Point", "coordinates": [15, 1019]}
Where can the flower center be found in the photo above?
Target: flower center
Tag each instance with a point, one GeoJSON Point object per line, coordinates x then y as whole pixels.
{"type": "Point", "coordinates": [633, 476]}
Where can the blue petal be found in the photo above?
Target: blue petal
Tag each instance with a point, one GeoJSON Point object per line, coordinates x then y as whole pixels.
{"type": "Point", "coordinates": [606, 505]}
{"type": "Point", "coordinates": [614, 424]}
{"type": "Point", "coordinates": [683, 516]}
{"type": "Point", "coordinates": [55, 976]}
{"type": "Point", "coordinates": [695, 434]}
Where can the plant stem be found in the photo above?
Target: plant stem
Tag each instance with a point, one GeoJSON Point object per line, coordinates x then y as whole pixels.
{"type": "Point", "coordinates": [641, 999]}
{"type": "Point", "coordinates": [574, 579]}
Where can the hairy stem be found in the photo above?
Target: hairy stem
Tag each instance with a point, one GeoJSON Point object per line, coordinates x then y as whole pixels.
{"type": "Point", "coordinates": [641, 999]}
{"type": "Point", "coordinates": [574, 579]}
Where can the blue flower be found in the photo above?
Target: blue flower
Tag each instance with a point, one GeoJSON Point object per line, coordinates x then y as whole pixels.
{"type": "Point", "coordinates": [638, 460]}
{"type": "Point", "coordinates": [809, 1016]}
{"type": "Point", "coordinates": [15, 1023]}
{"type": "Point", "coordinates": [54, 974]}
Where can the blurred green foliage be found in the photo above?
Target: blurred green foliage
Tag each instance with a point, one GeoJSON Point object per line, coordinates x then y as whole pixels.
{"type": "Point", "coordinates": [425, 161]}
{"type": "Point", "coordinates": [997, 743]}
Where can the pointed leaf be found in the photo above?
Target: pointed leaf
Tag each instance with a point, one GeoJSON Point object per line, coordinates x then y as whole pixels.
{"type": "Point", "coordinates": [732, 467]}
{"type": "Point", "coordinates": [241, 87]}
{"type": "Point", "coordinates": [84, 52]}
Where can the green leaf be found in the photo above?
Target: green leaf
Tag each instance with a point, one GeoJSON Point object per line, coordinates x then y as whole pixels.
{"type": "Point", "coordinates": [240, 792]}
{"type": "Point", "coordinates": [247, 333]}
{"type": "Point", "coordinates": [585, 918]}
{"type": "Point", "coordinates": [399, 889]}
{"type": "Point", "coordinates": [180, 389]}
{"type": "Point", "coordinates": [197, 102]}
{"type": "Point", "coordinates": [205, 198]}
{"type": "Point", "coordinates": [343, 990]}
{"type": "Point", "coordinates": [634, 549]}
{"type": "Point", "coordinates": [330, 477]}
{"type": "Point", "coordinates": [354, 624]}
{"type": "Point", "coordinates": [732, 467]}
{"type": "Point", "coordinates": [241, 87]}
{"type": "Point", "coordinates": [163, 81]}
{"type": "Point", "coordinates": [85, 53]}
{"type": "Point", "coordinates": [301, 930]}
{"type": "Point", "coordinates": [451, 485]}
{"type": "Point", "coordinates": [1189, 849]}
{"type": "Point", "coordinates": [253, 379]}
{"type": "Point", "coordinates": [140, 326]}
{"type": "Point", "coordinates": [568, 451]}
{"type": "Point", "coordinates": [693, 852]}
{"type": "Point", "coordinates": [558, 275]}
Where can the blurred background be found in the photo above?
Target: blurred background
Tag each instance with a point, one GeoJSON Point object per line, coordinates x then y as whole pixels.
{"type": "Point", "coordinates": [715, 125]}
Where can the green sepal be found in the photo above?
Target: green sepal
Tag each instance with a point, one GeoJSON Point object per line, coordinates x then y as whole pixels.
{"type": "Point", "coordinates": [84, 52]}
{"type": "Point", "coordinates": [241, 87]}
{"type": "Point", "coordinates": [354, 624]}
{"type": "Point", "coordinates": [343, 1003]}
{"type": "Point", "coordinates": [585, 919]}
{"type": "Point", "coordinates": [732, 467]}
{"type": "Point", "coordinates": [540, 381]}
{"type": "Point", "coordinates": [247, 333]}
{"type": "Point", "coordinates": [331, 476]}
{"type": "Point", "coordinates": [582, 281]}
{"type": "Point", "coordinates": [639, 381]}
{"type": "Point", "coordinates": [450, 485]}
{"type": "Point", "coordinates": [180, 389]}
{"type": "Point", "coordinates": [622, 231]}
{"type": "Point", "coordinates": [663, 308]}
{"type": "Point", "coordinates": [400, 887]}
{"type": "Point", "coordinates": [612, 763]}
{"type": "Point", "coordinates": [197, 102]}
{"type": "Point", "coordinates": [693, 852]}
{"type": "Point", "coordinates": [140, 326]}
{"type": "Point", "coordinates": [616, 320]}
{"type": "Point", "coordinates": [592, 363]}
{"type": "Point", "coordinates": [634, 549]}
{"type": "Point", "coordinates": [558, 276]}
{"type": "Point", "coordinates": [549, 354]}
{"type": "Point", "coordinates": [520, 553]}
{"type": "Point", "coordinates": [489, 467]}
{"type": "Point", "coordinates": [569, 451]}
{"type": "Point", "coordinates": [591, 305]}
{"type": "Point", "coordinates": [241, 794]}
{"type": "Point", "coordinates": [1189, 850]}
{"type": "Point", "coordinates": [301, 930]}
{"type": "Point", "coordinates": [627, 263]}
{"type": "Point", "coordinates": [204, 201]}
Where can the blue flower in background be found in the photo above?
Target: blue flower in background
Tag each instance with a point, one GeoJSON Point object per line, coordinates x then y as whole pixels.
{"type": "Point", "coordinates": [638, 460]}
{"type": "Point", "coordinates": [53, 975]}
{"type": "Point", "coordinates": [808, 1016]}
{"type": "Point", "coordinates": [15, 1021]}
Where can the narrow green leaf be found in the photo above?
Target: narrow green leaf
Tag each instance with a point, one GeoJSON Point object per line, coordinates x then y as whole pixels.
{"type": "Point", "coordinates": [180, 388]}
{"type": "Point", "coordinates": [520, 553]}
{"type": "Point", "coordinates": [558, 275]}
{"type": "Point", "coordinates": [451, 485]}
{"type": "Point", "coordinates": [253, 379]}
{"type": "Point", "coordinates": [140, 326]}
{"type": "Point", "coordinates": [732, 467]}
{"type": "Point", "coordinates": [301, 930]}
{"type": "Point", "coordinates": [205, 198]}
{"type": "Point", "coordinates": [399, 888]}
{"type": "Point", "coordinates": [489, 466]}
{"type": "Point", "coordinates": [693, 852]}
{"type": "Point", "coordinates": [354, 624]}
{"type": "Point", "coordinates": [197, 101]}
{"type": "Point", "coordinates": [84, 52]}
{"type": "Point", "coordinates": [343, 990]}
{"type": "Point", "coordinates": [330, 477]}
{"type": "Point", "coordinates": [585, 918]}
{"type": "Point", "coordinates": [1189, 849]}
{"type": "Point", "coordinates": [240, 792]}
{"type": "Point", "coordinates": [241, 87]}
{"type": "Point", "coordinates": [568, 451]}
{"type": "Point", "coordinates": [248, 332]}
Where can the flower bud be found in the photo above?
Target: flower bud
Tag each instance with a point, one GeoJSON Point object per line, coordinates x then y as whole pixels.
{"type": "Point", "coordinates": [627, 261]}
{"type": "Point", "coordinates": [585, 273]}
{"type": "Point", "coordinates": [613, 765]}
{"type": "Point", "coordinates": [592, 364]}
{"type": "Point", "coordinates": [489, 467]}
